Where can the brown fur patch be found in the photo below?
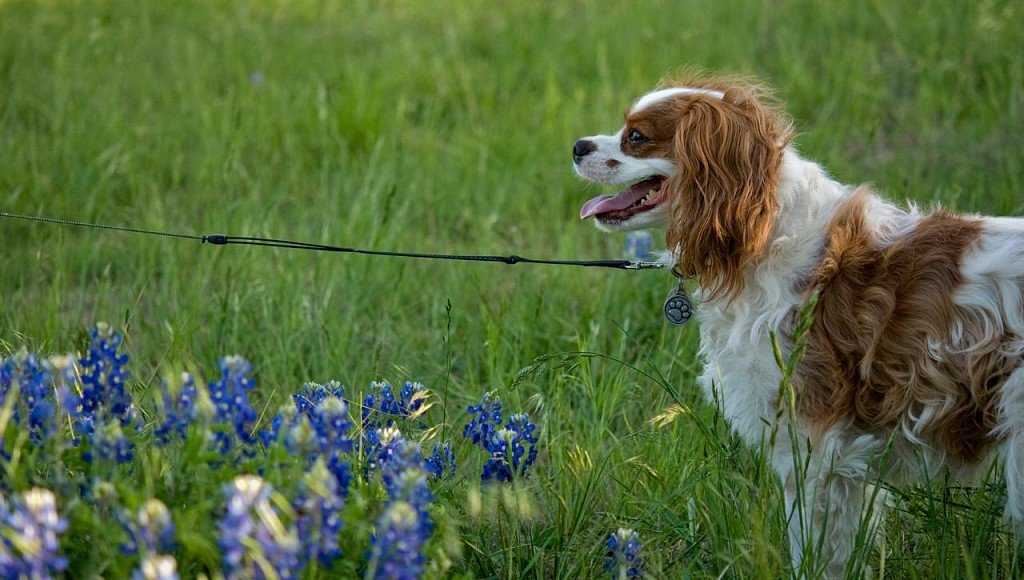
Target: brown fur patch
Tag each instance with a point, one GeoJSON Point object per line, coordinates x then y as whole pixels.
{"type": "Point", "coordinates": [868, 356]}
{"type": "Point", "coordinates": [729, 153]}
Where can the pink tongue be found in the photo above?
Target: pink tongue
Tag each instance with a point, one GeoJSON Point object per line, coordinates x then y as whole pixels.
{"type": "Point", "coordinates": [607, 203]}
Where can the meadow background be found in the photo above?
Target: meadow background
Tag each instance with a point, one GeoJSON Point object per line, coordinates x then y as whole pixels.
{"type": "Point", "coordinates": [447, 127]}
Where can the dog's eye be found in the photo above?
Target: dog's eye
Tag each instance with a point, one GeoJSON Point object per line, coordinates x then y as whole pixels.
{"type": "Point", "coordinates": [636, 137]}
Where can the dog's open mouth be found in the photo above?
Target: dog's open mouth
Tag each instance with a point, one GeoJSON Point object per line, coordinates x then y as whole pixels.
{"type": "Point", "coordinates": [637, 198]}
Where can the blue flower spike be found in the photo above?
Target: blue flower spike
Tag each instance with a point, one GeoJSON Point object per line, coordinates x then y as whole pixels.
{"type": "Point", "coordinates": [104, 376]}
{"type": "Point", "coordinates": [397, 551]}
{"type": "Point", "coordinates": [318, 515]}
{"type": "Point", "coordinates": [441, 463]}
{"type": "Point", "coordinates": [230, 397]}
{"type": "Point", "coordinates": [486, 419]}
{"type": "Point", "coordinates": [156, 527]}
{"type": "Point", "coordinates": [624, 560]}
{"type": "Point", "coordinates": [32, 380]}
{"type": "Point", "coordinates": [254, 540]}
{"type": "Point", "coordinates": [382, 408]}
{"type": "Point", "coordinates": [179, 408]}
{"type": "Point", "coordinates": [512, 447]}
{"type": "Point", "coordinates": [30, 527]}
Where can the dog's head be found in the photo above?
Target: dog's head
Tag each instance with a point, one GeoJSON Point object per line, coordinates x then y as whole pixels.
{"type": "Point", "coordinates": [702, 161]}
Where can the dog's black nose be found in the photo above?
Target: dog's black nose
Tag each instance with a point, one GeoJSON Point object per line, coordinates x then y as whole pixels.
{"type": "Point", "coordinates": [581, 148]}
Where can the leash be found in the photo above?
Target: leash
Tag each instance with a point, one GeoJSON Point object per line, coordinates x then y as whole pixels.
{"type": "Point", "coordinates": [226, 240]}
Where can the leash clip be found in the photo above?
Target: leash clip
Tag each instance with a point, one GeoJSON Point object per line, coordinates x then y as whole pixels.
{"type": "Point", "coordinates": [644, 266]}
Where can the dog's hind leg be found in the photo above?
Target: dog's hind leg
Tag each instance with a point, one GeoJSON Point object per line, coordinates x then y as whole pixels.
{"type": "Point", "coordinates": [826, 498]}
{"type": "Point", "coordinates": [1010, 431]}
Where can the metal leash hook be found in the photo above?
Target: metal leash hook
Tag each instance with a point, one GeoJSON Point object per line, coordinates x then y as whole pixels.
{"type": "Point", "coordinates": [678, 306]}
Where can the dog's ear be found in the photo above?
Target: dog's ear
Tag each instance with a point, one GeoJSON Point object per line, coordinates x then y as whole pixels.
{"type": "Point", "coordinates": [723, 199]}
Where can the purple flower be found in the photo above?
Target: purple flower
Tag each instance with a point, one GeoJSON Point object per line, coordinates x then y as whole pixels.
{"type": "Point", "coordinates": [29, 528]}
{"type": "Point", "coordinates": [512, 448]}
{"type": "Point", "coordinates": [405, 525]}
{"type": "Point", "coordinates": [24, 374]}
{"type": "Point", "coordinates": [231, 401]}
{"type": "Point", "coordinates": [179, 408]}
{"type": "Point", "coordinates": [109, 442]}
{"type": "Point", "coordinates": [397, 547]}
{"type": "Point", "coordinates": [318, 515]}
{"type": "Point", "coordinates": [152, 530]}
{"type": "Point", "coordinates": [624, 558]}
{"type": "Point", "coordinates": [486, 419]}
{"type": "Point", "coordinates": [382, 408]}
{"type": "Point", "coordinates": [254, 540]}
{"type": "Point", "coordinates": [332, 425]}
{"type": "Point", "coordinates": [310, 395]}
{"type": "Point", "coordinates": [441, 462]}
{"type": "Point", "coordinates": [63, 371]}
{"type": "Point", "coordinates": [318, 425]}
{"type": "Point", "coordinates": [103, 376]}
{"type": "Point", "coordinates": [383, 445]}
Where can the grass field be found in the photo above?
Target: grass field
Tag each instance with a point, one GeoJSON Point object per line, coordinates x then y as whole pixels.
{"type": "Point", "coordinates": [427, 127]}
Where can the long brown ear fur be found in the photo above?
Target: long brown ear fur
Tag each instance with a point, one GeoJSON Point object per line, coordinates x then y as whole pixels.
{"type": "Point", "coordinates": [722, 200]}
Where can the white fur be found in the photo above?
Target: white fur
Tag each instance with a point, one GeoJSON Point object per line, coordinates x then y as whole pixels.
{"type": "Point", "coordinates": [660, 95]}
{"type": "Point", "coordinates": [828, 501]}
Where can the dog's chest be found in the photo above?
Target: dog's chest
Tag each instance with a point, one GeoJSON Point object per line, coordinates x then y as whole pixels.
{"type": "Point", "coordinates": [740, 373]}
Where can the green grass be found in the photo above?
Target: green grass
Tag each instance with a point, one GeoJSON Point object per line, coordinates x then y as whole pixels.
{"type": "Point", "coordinates": [419, 126]}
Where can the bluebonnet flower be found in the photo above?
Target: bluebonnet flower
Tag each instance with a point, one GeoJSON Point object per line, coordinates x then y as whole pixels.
{"type": "Point", "coordinates": [298, 435]}
{"type": "Point", "coordinates": [151, 534]}
{"type": "Point", "coordinates": [310, 395]}
{"type": "Point", "coordinates": [63, 371]}
{"type": "Point", "coordinates": [303, 403]}
{"type": "Point", "coordinates": [157, 567]}
{"type": "Point", "coordinates": [29, 528]}
{"type": "Point", "coordinates": [103, 376]}
{"type": "Point", "coordinates": [179, 408]}
{"type": "Point", "coordinates": [332, 424]}
{"type": "Point", "coordinates": [24, 373]}
{"type": "Point", "coordinates": [318, 515]}
{"type": "Point", "coordinates": [638, 245]}
{"type": "Point", "coordinates": [109, 442]}
{"type": "Point", "coordinates": [410, 485]}
{"type": "Point", "coordinates": [151, 531]}
{"type": "Point", "coordinates": [318, 425]}
{"type": "Point", "coordinates": [624, 558]}
{"type": "Point", "coordinates": [283, 419]}
{"type": "Point", "coordinates": [254, 540]}
{"type": "Point", "coordinates": [382, 445]}
{"type": "Point", "coordinates": [404, 526]}
{"type": "Point", "coordinates": [513, 448]}
{"type": "Point", "coordinates": [231, 400]}
{"type": "Point", "coordinates": [486, 419]}
{"type": "Point", "coordinates": [382, 408]}
{"type": "Point", "coordinates": [397, 547]}
{"type": "Point", "coordinates": [441, 462]}
{"type": "Point", "coordinates": [509, 456]}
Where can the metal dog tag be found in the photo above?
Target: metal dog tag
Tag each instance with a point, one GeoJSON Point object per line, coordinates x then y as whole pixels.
{"type": "Point", "coordinates": [678, 307]}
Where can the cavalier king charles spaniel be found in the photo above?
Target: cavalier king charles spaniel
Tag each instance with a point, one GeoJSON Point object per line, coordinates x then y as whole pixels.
{"type": "Point", "coordinates": [913, 363]}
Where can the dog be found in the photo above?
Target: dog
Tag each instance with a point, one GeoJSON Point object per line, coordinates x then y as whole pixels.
{"type": "Point", "coordinates": [913, 362]}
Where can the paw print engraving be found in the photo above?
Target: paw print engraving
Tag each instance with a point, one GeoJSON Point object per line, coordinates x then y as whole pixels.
{"type": "Point", "coordinates": [678, 309]}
